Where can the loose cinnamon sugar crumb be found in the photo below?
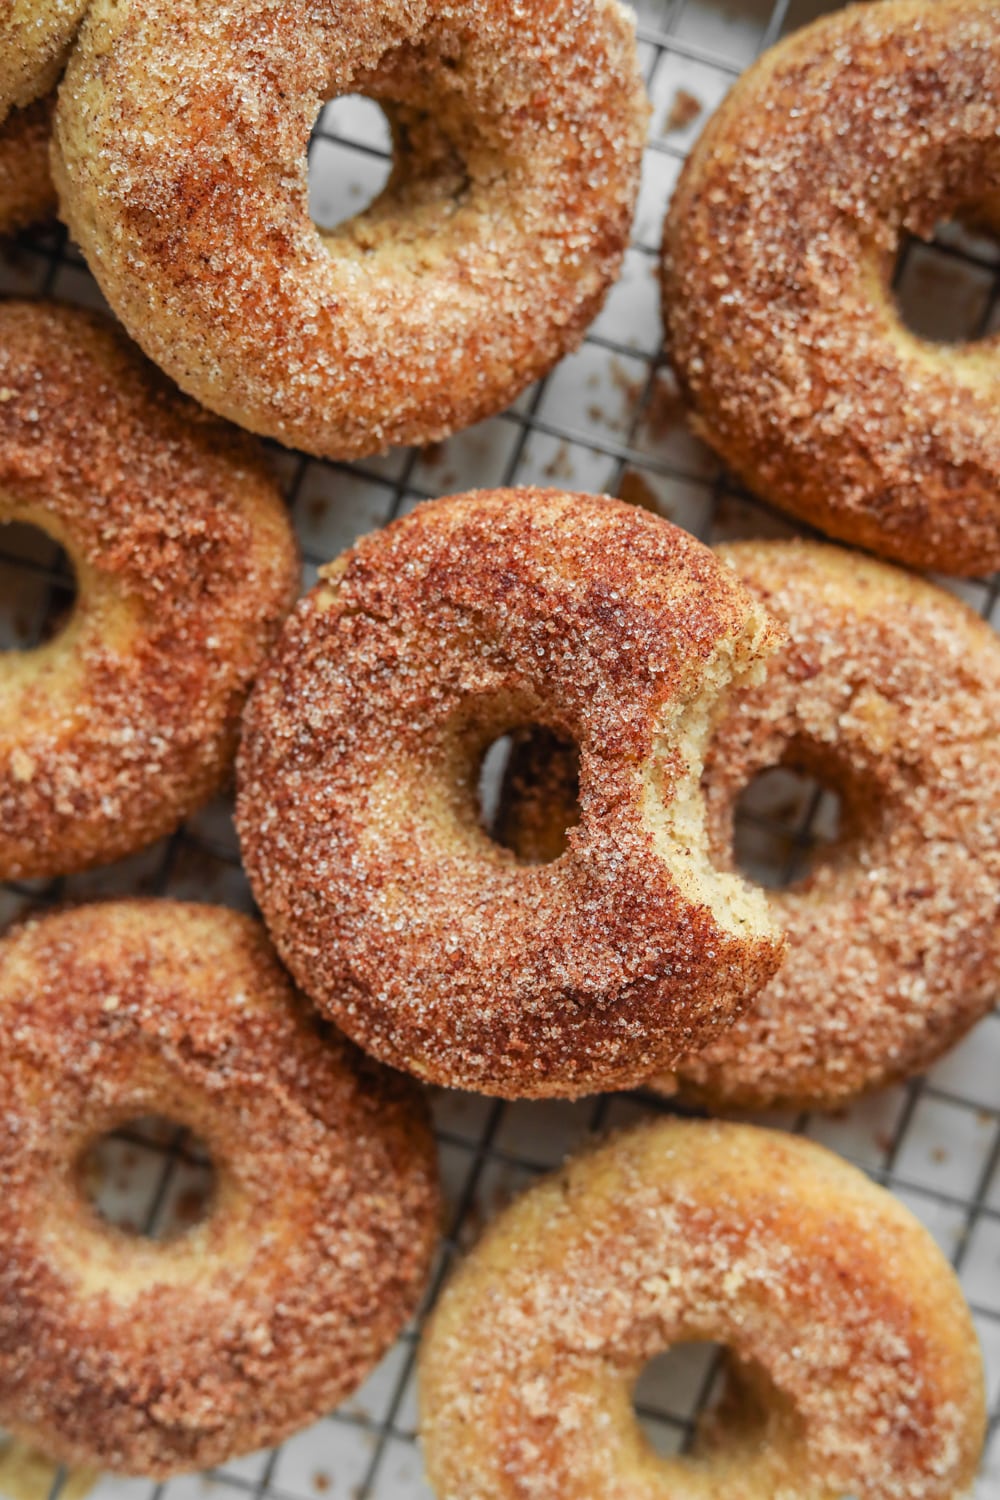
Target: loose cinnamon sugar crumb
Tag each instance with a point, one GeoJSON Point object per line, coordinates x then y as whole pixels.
{"type": "Point", "coordinates": [635, 490]}
{"type": "Point", "coordinates": [560, 466]}
{"type": "Point", "coordinates": [630, 387]}
{"type": "Point", "coordinates": [665, 408]}
{"type": "Point", "coordinates": [685, 108]}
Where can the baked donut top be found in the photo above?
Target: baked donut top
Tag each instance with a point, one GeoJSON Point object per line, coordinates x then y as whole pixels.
{"type": "Point", "coordinates": [185, 564]}
{"type": "Point", "coordinates": [182, 160]}
{"type": "Point", "coordinates": [888, 691]}
{"type": "Point", "coordinates": [778, 250]}
{"type": "Point", "coordinates": [814, 1277]}
{"type": "Point", "coordinates": [357, 779]}
{"type": "Point", "coordinates": [312, 1253]}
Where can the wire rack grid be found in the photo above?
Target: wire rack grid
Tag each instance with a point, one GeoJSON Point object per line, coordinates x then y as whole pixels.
{"type": "Point", "coordinates": [604, 420]}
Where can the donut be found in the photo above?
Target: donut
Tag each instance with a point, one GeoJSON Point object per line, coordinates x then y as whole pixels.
{"type": "Point", "coordinates": [152, 1357]}
{"type": "Point", "coordinates": [420, 936]}
{"type": "Point", "coordinates": [180, 159]}
{"type": "Point", "coordinates": [888, 692]}
{"type": "Point", "coordinates": [35, 36]}
{"type": "Point", "coordinates": [126, 721]}
{"type": "Point", "coordinates": [852, 1366]}
{"type": "Point", "coordinates": [27, 192]}
{"type": "Point", "coordinates": [777, 254]}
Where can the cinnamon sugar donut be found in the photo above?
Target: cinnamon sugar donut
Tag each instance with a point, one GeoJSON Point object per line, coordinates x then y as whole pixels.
{"type": "Point", "coordinates": [181, 164]}
{"type": "Point", "coordinates": [27, 192]}
{"type": "Point", "coordinates": [35, 36]}
{"type": "Point", "coordinates": [153, 1357]}
{"type": "Point", "coordinates": [427, 942]}
{"type": "Point", "coordinates": [854, 1366]}
{"type": "Point", "coordinates": [874, 121]}
{"type": "Point", "coordinates": [888, 691]}
{"type": "Point", "coordinates": [126, 721]}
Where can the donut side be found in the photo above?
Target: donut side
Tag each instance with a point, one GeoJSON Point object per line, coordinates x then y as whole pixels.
{"type": "Point", "coordinates": [27, 193]}
{"type": "Point", "coordinates": [151, 1357]}
{"type": "Point", "coordinates": [185, 564]}
{"type": "Point", "coordinates": [875, 121]}
{"type": "Point", "coordinates": [835, 1305]}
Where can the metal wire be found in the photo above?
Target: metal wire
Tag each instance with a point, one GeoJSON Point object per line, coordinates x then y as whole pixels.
{"type": "Point", "coordinates": [935, 1143]}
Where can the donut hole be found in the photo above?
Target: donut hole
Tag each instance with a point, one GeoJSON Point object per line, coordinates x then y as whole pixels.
{"type": "Point", "coordinates": [38, 587]}
{"type": "Point", "coordinates": [149, 1177]}
{"type": "Point", "coordinates": [529, 792]}
{"type": "Point", "coordinates": [675, 1385]}
{"type": "Point", "coordinates": [785, 823]}
{"type": "Point", "coordinates": [944, 288]}
{"type": "Point", "coordinates": [350, 161]}
{"type": "Point", "coordinates": [703, 1409]}
{"type": "Point", "coordinates": [430, 157]}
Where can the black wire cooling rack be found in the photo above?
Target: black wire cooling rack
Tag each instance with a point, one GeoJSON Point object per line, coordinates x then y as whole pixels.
{"type": "Point", "coordinates": [605, 420]}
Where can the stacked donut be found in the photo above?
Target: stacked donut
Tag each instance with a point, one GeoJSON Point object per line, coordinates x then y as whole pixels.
{"type": "Point", "coordinates": [593, 931]}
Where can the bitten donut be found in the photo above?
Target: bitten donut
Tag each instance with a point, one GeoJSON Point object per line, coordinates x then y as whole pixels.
{"type": "Point", "coordinates": [425, 940]}
{"type": "Point", "coordinates": [126, 721]}
{"type": "Point", "coordinates": [35, 36]}
{"type": "Point", "coordinates": [853, 1364]}
{"type": "Point", "coordinates": [888, 691]}
{"type": "Point", "coordinates": [27, 192]}
{"type": "Point", "coordinates": [777, 254]}
{"type": "Point", "coordinates": [518, 128]}
{"type": "Point", "coordinates": [151, 1357]}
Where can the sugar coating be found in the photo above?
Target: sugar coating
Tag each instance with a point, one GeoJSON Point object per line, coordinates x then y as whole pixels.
{"type": "Point", "coordinates": [427, 942]}
{"type": "Point", "coordinates": [27, 192]}
{"type": "Point", "coordinates": [35, 36]}
{"type": "Point", "coordinates": [181, 162]}
{"type": "Point", "coordinates": [151, 1358]}
{"type": "Point", "coordinates": [889, 691]}
{"type": "Point", "coordinates": [777, 251]}
{"type": "Point", "coordinates": [115, 730]}
{"type": "Point", "coordinates": [855, 1367]}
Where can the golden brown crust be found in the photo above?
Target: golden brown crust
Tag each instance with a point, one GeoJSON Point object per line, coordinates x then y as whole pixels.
{"type": "Point", "coordinates": [426, 941]}
{"type": "Point", "coordinates": [185, 562]}
{"type": "Point", "coordinates": [875, 120]}
{"type": "Point", "coordinates": [156, 1357]}
{"type": "Point", "coordinates": [846, 1317]}
{"type": "Point", "coordinates": [35, 36]}
{"type": "Point", "coordinates": [27, 192]}
{"type": "Point", "coordinates": [889, 692]}
{"type": "Point", "coordinates": [519, 132]}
